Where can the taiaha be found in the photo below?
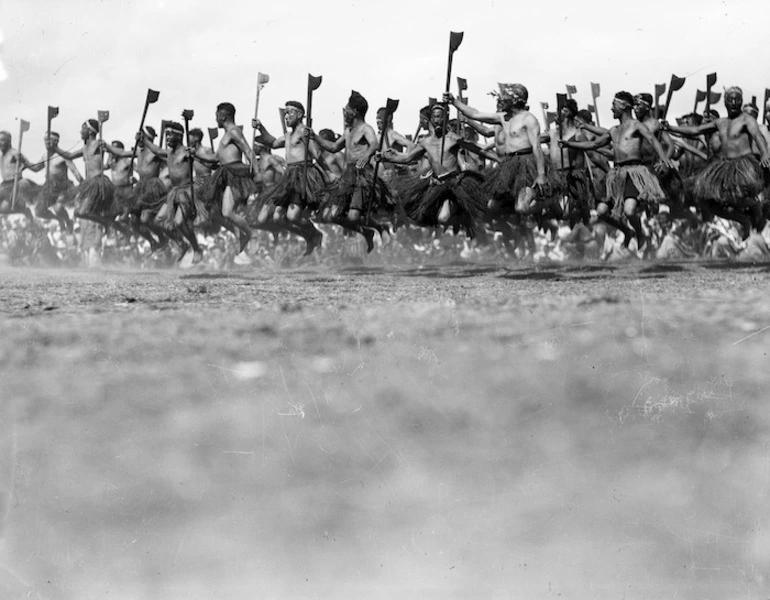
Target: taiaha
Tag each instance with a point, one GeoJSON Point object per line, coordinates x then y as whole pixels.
{"type": "Point", "coordinates": [187, 115]}
{"type": "Point", "coordinates": [596, 91]}
{"type": "Point", "coordinates": [164, 123]}
{"type": "Point", "coordinates": [561, 104]}
{"type": "Point", "coordinates": [700, 96]}
{"type": "Point", "coordinates": [571, 89]}
{"type": "Point", "coordinates": [455, 39]}
{"type": "Point", "coordinates": [23, 126]}
{"type": "Point", "coordinates": [462, 86]}
{"type": "Point", "coordinates": [711, 80]}
{"type": "Point", "coordinates": [213, 134]}
{"type": "Point", "coordinates": [53, 112]}
{"type": "Point", "coordinates": [102, 116]}
{"type": "Point", "coordinates": [676, 84]}
{"type": "Point", "coordinates": [152, 98]}
{"type": "Point", "coordinates": [390, 108]}
{"type": "Point", "coordinates": [660, 89]}
{"type": "Point", "coordinates": [282, 116]}
{"type": "Point", "coordinates": [262, 79]}
{"type": "Point", "coordinates": [313, 83]}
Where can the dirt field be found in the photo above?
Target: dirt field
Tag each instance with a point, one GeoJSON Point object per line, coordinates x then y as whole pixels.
{"type": "Point", "coordinates": [452, 431]}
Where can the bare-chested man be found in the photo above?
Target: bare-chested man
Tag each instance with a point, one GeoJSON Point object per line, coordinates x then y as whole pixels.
{"type": "Point", "coordinates": [178, 211]}
{"type": "Point", "coordinates": [630, 185]}
{"type": "Point", "coordinates": [355, 196]}
{"type": "Point", "coordinates": [205, 163]}
{"type": "Point", "coordinates": [448, 196]}
{"type": "Point", "coordinates": [11, 165]}
{"type": "Point", "coordinates": [730, 187]}
{"type": "Point", "coordinates": [569, 169]}
{"type": "Point", "coordinates": [392, 139]}
{"type": "Point", "coordinates": [58, 188]}
{"type": "Point", "coordinates": [94, 197]}
{"type": "Point", "coordinates": [303, 181]}
{"type": "Point", "coordinates": [335, 161]}
{"type": "Point", "coordinates": [232, 183]}
{"type": "Point", "coordinates": [522, 174]}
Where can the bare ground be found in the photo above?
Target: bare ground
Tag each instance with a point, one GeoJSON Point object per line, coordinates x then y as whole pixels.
{"type": "Point", "coordinates": [450, 431]}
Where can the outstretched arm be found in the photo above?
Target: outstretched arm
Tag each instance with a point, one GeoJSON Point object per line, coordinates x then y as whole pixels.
{"type": "Point", "coordinates": [689, 131]}
{"type": "Point", "coordinates": [487, 132]}
{"type": "Point", "coordinates": [410, 156]}
{"type": "Point", "coordinates": [599, 142]}
{"type": "Point", "coordinates": [333, 147]}
{"type": "Point", "coordinates": [69, 155]}
{"type": "Point", "coordinates": [471, 113]}
{"type": "Point", "coordinates": [74, 170]}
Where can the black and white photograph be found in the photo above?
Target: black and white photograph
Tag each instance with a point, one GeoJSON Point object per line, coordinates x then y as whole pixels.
{"type": "Point", "coordinates": [373, 300]}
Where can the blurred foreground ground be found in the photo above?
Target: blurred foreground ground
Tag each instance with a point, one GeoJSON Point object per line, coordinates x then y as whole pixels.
{"type": "Point", "coordinates": [457, 431]}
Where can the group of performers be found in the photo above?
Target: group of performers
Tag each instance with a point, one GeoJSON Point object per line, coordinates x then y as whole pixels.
{"type": "Point", "coordinates": [371, 181]}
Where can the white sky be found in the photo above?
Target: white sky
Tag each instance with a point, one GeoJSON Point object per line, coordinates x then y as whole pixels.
{"type": "Point", "coordinates": [87, 55]}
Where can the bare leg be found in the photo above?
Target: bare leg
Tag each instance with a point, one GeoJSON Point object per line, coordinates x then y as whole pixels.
{"type": "Point", "coordinates": [228, 212]}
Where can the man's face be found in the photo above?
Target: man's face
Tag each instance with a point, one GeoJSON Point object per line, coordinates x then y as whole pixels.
{"type": "Point", "coordinates": [195, 141]}
{"type": "Point", "coordinates": [641, 110]}
{"type": "Point", "coordinates": [5, 142]}
{"type": "Point", "coordinates": [51, 141]}
{"type": "Point", "coordinates": [733, 103]}
{"type": "Point", "coordinates": [348, 114]}
{"type": "Point", "coordinates": [173, 138]}
{"type": "Point", "coordinates": [437, 118]}
{"type": "Point", "coordinates": [220, 117]}
{"type": "Point", "coordinates": [380, 121]}
{"type": "Point", "coordinates": [292, 116]}
{"type": "Point", "coordinates": [85, 132]}
{"type": "Point", "coordinates": [618, 107]}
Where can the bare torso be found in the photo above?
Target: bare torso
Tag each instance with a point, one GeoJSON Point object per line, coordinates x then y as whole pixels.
{"type": "Point", "coordinates": [735, 136]}
{"type": "Point", "coordinates": [227, 151]}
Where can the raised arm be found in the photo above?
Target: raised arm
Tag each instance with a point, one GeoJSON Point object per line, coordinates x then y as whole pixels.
{"type": "Point", "coordinates": [155, 149]}
{"type": "Point", "coordinates": [471, 113]}
{"type": "Point", "coordinates": [206, 156]}
{"type": "Point", "coordinates": [266, 138]}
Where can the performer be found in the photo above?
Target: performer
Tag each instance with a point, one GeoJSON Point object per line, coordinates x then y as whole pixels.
{"type": "Point", "coordinates": [232, 183]}
{"type": "Point", "coordinates": [58, 188]}
{"type": "Point", "coordinates": [94, 197]}
{"type": "Point", "coordinates": [355, 195]}
{"type": "Point", "coordinates": [570, 171]}
{"type": "Point", "coordinates": [447, 196]}
{"type": "Point", "coordinates": [523, 172]}
{"type": "Point", "coordinates": [26, 190]}
{"type": "Point", "coordinates": [335, 161]}
{"type": "Point", "coordinates": [303, 181]}
{"type": "Point", "coordinates": [630, 185]}
{"type": "Point", "coordinates": [178, 211]}
{"type": "Point", "coordinates": [730, 187]}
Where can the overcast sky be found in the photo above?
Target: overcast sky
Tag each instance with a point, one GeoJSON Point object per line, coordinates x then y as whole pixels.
{"type": "Point", "coordinates": [87, 55]}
